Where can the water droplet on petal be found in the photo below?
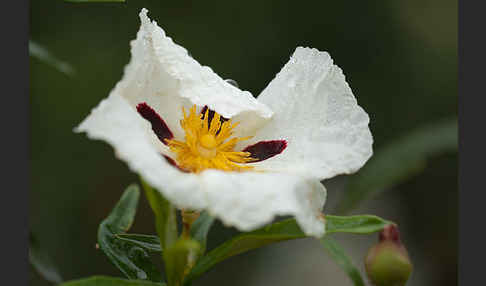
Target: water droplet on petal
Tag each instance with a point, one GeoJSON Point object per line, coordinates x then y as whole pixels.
{"type": "Point", "coordinates": [232, 82]}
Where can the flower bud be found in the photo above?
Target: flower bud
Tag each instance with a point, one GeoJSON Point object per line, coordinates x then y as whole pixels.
{"type": "Point", "coordinates": [188, 218]}
{"type": "Point", "coordinates": [387, 263]}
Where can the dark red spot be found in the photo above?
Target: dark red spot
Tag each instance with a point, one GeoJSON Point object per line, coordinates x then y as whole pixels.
{"type": "Point", "coordinates": [158, 124]}
{"type": "Point", "coordinates": [266, 149]}
{"type": "Point", "coordinates": [211, 115]}
{"type": "Point", "coordinates": [173, 163]}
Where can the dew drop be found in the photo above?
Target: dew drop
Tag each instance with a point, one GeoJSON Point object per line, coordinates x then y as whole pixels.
{"type": "Point", "coordinates": [232, 82]}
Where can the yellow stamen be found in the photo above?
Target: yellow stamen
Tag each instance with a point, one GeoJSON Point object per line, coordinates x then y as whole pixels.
{"type": "Point", "coordinates": [206, 144]}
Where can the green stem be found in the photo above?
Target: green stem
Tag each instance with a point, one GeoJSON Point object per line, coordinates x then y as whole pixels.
{"type": "Point", "coordinates": [165, 216]}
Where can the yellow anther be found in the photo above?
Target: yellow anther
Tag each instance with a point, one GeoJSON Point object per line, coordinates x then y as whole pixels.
{"type": "Point", "coordinates": [207, 144]}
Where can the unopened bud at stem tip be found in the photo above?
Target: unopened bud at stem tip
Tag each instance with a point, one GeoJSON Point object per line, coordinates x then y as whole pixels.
{"type": "Point", "coordinates": [387, 263]}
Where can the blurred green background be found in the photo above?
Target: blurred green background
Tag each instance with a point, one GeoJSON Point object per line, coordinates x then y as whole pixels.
{"type": "Point", "coordinates": [399, 57]}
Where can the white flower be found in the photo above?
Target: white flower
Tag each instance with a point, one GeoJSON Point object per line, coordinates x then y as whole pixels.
{"type": "Point", "coordinates": [305, 126]}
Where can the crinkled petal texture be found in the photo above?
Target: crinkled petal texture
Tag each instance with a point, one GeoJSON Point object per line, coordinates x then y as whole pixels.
{"type": "Point", "coordinates": [163, 74]}
{"type": "Point", "coordinates": [251, 199]}
{"type": "Point", "coordinates": [311, 107]}
{"type": "Point", "coordinates": [316, 112]}
{"type": "Point", "coordinates": [246, 200]}
{"type": "Point", "coordinates": [115, 121]}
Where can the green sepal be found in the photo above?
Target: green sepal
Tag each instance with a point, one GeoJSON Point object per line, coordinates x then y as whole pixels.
{"type": "Point", "coordinates": [109, 281]}
{"type": "Point", "coordinates": [339, 256]}
{"type": "Point", "coordinates": [131, 260]}
{"type": "Point", "coordinates": [179, 259]}
{"type": "Point", "coordinates": [388, 264]}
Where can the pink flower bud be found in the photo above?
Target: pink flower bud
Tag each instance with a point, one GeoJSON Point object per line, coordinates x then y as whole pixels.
{"type": "Point", "coordinates": [387, 263]}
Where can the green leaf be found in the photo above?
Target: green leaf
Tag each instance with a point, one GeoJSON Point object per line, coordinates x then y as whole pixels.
{"type": "Point", "coordinates": [109, 281]}
{"type": "Point", "coordinates": [179, 258]}
{"type": "Point", "coordinates": [41, 261]}
{"type": "Point", "coordinates": [340, 257]}
{"type": "Point", "coordinates": [148, 242]}
{"type": "Point", "coordinates": [358, 224]}
{"type": "Point", "coordinates": [42, 54]}
{"type": "Point", "coordinates": [200, 229]}
{"type": "Point", "coordinates": [398, 161]}
{"type": "Point", "coordinates": [165, 216]}
{"type": "Point", "coordinates": [166, 226]}
{"type": "Point", "coordinates": [94, 1]}
{"type": "Point", "coordinates": [131, 259]}
{"type": "Point", "coordinates": [280, 231]}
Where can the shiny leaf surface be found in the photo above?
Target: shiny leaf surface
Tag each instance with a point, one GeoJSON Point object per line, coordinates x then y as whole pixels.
{"type": "Point", "coordinates": [148, 242]}
{"type": "Point", "coordinates": [131, 259]}
{"type": "Point", "coordinates": [358, 224]}
{"type": "Point", "coordinates": [281, 231]}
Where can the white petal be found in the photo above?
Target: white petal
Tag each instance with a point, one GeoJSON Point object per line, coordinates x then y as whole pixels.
{"type": "Point", "coordinates": [250, 200]}
{"type": "Point", "coordinates": [246, 200]}
{"type": "Point", "coordinates": [162, 74]}
{"type": "Point", "coordinates": [316, 112]}
{"type": "Point", "coordinates": [114, 120]}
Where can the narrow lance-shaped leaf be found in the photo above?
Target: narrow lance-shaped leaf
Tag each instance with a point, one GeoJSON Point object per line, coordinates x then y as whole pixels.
{"type": "Point", "coordinates": [148, 242]}
{"type": "Point", "coordinates": [109, 281]}
{"type": "Point", "coordinates": [398, 161]}
{"type": "Point", "coordinates": [339, 256]}
{"type": "Point", "coordinates": [131, 259]}
{"type": "Point", "coordinates": [199, 232]}
{"type": "Point", "coordinates": [41, 261]}
{"type": "Point", "coordinates": [358, 224]}
{"type": "Point", "coordinates": [280, 231]}
{"type": "Point", "coordinates": [41, 53]}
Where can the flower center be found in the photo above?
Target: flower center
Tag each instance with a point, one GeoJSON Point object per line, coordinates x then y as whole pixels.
{"type": "Point", "coordinates": [208, 144]}
{"type": "Point", "coordinates": [208, 141]}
